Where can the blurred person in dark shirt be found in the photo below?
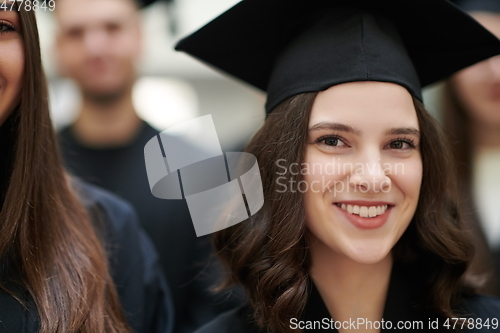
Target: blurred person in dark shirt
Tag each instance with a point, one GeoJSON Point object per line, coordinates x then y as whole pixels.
{"type": "Point", "coordinates": [98, 45]}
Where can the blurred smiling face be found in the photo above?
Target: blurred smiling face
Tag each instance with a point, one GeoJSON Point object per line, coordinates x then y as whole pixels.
{"type": "Point", "coordinates": [365, 169]}
{"type": "Point", "coordinates": [98, 43]}
{"type": "Point", "coordinates": [11, 62]}
{"type": "Point", "coordinates": [478, 86]}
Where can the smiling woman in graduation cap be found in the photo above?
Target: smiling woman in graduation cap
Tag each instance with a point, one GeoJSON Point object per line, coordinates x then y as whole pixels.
{"type": "Point", "coordinates": [370, 228]}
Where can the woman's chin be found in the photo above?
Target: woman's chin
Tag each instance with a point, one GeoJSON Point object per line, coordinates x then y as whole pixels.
{"type": "Point", "coordinates": [368, 254]}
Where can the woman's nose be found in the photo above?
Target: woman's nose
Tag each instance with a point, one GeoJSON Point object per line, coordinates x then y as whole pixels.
{"type": "Point", "coordinates": [368, 175]}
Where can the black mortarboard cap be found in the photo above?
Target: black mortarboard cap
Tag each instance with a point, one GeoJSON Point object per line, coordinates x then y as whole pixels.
{"type": "Point", "coordinates": [479, 5]}
{"type": "Point", "coordinates": [287, 47]}
{"type": "Point", "coordinates": [144, 3]}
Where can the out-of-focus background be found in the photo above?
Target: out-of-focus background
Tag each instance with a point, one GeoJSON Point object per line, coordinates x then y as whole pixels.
{"type": "Point", "coordinates": [172, 87]}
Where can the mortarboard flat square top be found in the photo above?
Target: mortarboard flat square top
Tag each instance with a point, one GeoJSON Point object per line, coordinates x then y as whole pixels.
{"type": "Point", "coordinates": [287, 47]}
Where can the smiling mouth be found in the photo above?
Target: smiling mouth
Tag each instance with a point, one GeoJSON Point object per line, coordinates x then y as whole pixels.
{"type": "Point", "coordinates": [364, 211]}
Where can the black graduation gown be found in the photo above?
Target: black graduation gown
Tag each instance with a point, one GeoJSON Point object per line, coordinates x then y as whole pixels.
{"type": "Point", "coordinates": [401, 308]}
{"type": "Point", "coordinates": [141, 286]}
{"type": "Point", "coordinates": [192, 270]}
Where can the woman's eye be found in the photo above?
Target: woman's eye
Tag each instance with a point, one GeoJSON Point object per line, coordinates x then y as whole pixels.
{"type": "Point", "coordinates": [401, 144]}
{"type": "Point", "coordinates": [397, 144]}
{"type": "Point", "coordinates": [5, 27]}
{"type": "Point", "coordinates": [331, 141]}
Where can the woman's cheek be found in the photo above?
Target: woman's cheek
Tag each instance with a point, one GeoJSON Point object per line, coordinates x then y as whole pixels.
{"type": "Point", "coordinates": [408, 178]}
{"type": "Point", "coordinates": [11, 72]}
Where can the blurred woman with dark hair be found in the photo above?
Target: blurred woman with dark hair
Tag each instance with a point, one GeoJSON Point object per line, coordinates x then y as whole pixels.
{"type": "Point", "coordinates": [360, 221]}
{"type": "Point", "coordinates": [471, 116]}
{"type": "Point", "coordinates": [73, 258]}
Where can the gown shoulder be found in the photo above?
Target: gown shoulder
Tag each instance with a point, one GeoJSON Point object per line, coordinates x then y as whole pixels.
{"type": "Point", "coordinates": [236, 320]}
{"type": "Point", "coordinates": [481, 306]}
{"type": "Point", "coordinates": [134, 262]}
{"type": "Point", "coordinates": [142, 290]}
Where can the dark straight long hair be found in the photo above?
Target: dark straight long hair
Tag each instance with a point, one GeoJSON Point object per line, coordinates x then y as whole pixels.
{"type": "Point", "coordinates": [269, 253]}
{"type": "Point", "coordinates": [47, 239]}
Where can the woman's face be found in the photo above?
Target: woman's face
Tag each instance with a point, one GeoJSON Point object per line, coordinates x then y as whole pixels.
{"type": "Point", "coordinates": [478, 86]}
{"type": "Point", "coordinates": [364, 169]}
{"type": "Point", "coordinates": [11, 62]}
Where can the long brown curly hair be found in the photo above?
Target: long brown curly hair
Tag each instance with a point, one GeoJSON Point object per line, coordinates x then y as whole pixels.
{"type": "Point", "coordinates": [269, 253]}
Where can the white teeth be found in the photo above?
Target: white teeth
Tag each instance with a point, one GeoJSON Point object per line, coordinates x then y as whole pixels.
{"type": "Point", "coordinates": [363, 211]}
{"type": "Point", "coordinates": [372, 211]}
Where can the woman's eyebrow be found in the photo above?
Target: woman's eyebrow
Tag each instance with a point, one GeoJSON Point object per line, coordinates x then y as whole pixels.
{"type": "Point", "coordinates": [9, 8]}
{"type": "Point", "coordinates": [403, 131]}
{"type": "Point", "coordinates": [349, 129]}
{"type": "Point", "coordinates": [336, 127]}
{"type": "Point", "coordinates": [6, 5]}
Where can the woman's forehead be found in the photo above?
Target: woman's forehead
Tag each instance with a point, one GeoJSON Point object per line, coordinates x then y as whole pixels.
{"type": "Point", "coordinates": [6, 13]}
{"type": "Point", "coordinates": [366, 106]}
{"type": "Point", "coordinates": [490, 21]}
{"type": "Point", "coordinates": [364, 97]}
